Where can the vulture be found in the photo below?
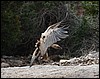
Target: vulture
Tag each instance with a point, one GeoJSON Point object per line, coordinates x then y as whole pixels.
{"type": "Point", "coordinates": [53, 34]}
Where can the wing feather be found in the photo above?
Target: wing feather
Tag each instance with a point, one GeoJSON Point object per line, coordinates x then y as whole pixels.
{"type": "Point", "coordinates": [52, 35]}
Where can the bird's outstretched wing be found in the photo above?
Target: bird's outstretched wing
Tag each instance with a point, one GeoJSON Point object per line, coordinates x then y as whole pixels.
{"type": "Point", "coordinates": [52, 35]}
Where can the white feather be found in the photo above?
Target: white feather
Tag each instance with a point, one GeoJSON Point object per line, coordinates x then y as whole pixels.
{"type": "Point", "coordinates": [52, 35]}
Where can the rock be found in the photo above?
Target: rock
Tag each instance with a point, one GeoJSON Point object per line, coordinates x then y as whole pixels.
{"type": "Point", "coordinates": [55, 63]}
{"type": "Point", "coordinates": [3, 60]}
{"type": "Point", "coordinates": [62, 62]}
{"type": "Point", "coordinates": [15, 62]}
{"type": "Point", "coordinates": [91, 58]}
{"type": "Point", "coordinates": [72, 61]}
{"type": "Point", "coordinates": [4, 65]}
{"type": "Point", "coordinates": [93, 54]}
{"type": "Point", "coordinates": [8, 57]}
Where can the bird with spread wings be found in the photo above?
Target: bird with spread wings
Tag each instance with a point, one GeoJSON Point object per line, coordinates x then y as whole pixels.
{"type": "Point", "coordinates": [48, 38]}
{"type": "Point", "coordinates": [53, 34]}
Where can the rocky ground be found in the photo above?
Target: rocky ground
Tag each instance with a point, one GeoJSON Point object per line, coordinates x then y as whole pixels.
{"type": "Point", "coordinates": [82, 67]}
{"type": "Point", "coordinates": [51, 71]}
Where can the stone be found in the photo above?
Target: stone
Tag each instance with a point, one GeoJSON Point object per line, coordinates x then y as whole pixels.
{"type": "Point", "coordinates": [4, 65]}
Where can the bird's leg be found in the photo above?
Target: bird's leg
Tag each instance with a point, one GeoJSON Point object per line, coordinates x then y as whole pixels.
{"type": "Point", "coordinates": [46, 57]}
{"type": "Point", "coordinates": [40, 59]}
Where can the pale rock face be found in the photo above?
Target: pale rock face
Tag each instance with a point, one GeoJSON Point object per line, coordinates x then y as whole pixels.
{"type": "Point", "coordinates": [93, 54]}
{"type": "Point", "coordinates": [91, 58]}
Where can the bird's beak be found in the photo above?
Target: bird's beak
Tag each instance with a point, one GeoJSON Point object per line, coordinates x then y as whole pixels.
{"type": "Point", "coordinates": [34, 56]}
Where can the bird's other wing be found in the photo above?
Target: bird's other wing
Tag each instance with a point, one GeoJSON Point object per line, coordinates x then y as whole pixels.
{"type": "Point", "coordinates": [52, 35]}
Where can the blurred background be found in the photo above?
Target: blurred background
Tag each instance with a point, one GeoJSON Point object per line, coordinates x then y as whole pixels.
{"type": "Point", "coordinates": [22, 23]}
